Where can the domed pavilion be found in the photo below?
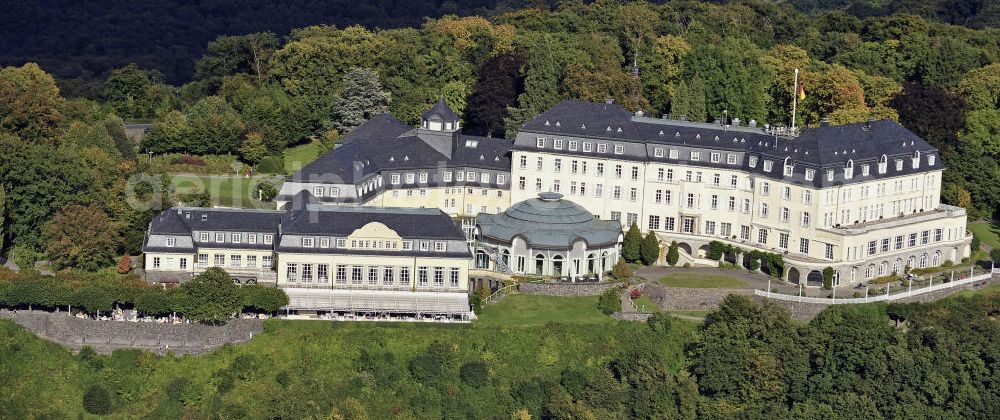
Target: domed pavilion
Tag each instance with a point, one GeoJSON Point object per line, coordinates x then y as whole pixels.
{"type": "Point", "coordinates": [547, 236]}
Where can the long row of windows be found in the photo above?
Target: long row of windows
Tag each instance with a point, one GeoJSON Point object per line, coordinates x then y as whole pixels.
{"type": "Point", "coordinates": [447, 176]}
{"type": "Point", "coordinates": [235, 261]}
{"type": "Point", "coordinates": [235, 238]}
{"type": "Point", "coordinates": [373, 275]}
{"type": "Point", "coordinates": [573, 145]}
{"type": "Point", "coordinates": [910, 240]}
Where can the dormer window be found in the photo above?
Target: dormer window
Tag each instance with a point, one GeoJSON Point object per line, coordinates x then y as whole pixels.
{"type": "Point", "coordinates": [447, 176]}
{"type": "Point", "coordinates": [439, 246]}
{"type": "Point", "coordinates": [695, 155]}
{"type": "Point", "coordinates": [673, 153]}
{"type": "Point", "coordinates": [557, 143]}
{"type": "Point", "coordinates": [619, 149]}
{"type": "Point", "coordinates": [588, 146]}
{"type": "Point", "coordinates": [409, 178]}
{"type": "Point", "coordinates": [865, 170]}
{"type": "Point", "coordinates": [423, 177]}
{"type": "Point", "coordinates": [716, 157]}
{"type": "Point", "coordinates": [602, 148]}
{"type": "Point", "coordinates": [768, 165]}
{"type": "Point", "coordinates": [268, 239]}
{"type": "Point", "coordinates": [324, 242]}
{"type": "Point", "coordinates": [307, 242]}
{"type": "Point", "coordinates": [203, 237]}
{"type": "Point", "coordinates": [883, 163]}
{"type": "Point", "coordinates": [540, 142]}
{"type": "Point", "coordinates": [658, 152]}
{"type": "Point", "coordinates": [810, 174]}
{"type": "Point", "coordinates": [829, 175]}
{"type": "Point", "coordinates": [252, 238]}
{"type": "Point", "coordinates": [318, 191]}
{"type": "Point", "coordinates": [789, 169]}
{"type": "Point", "coordinates": [899, 165]}
{"type": "Point", "coordinates": [753, 161]}
{"type": "Point", "coordinates": [394, 179]}
{"type": "Point", "coordinates": [916, 159]}
{"type": "Point", "coordinates": [501, 179]}
{"type": "Point", "coordinates": [459, 176]}
{"type": "Point", "coordinates": [572, 145]}
{"type": "Point", "coordinates": [731, 159]}
{"type": "Point", "coordinates": [334, 192]}
{"type": "Point", "coordinates": [849, 170]}
{"type": "Point", "coordinates": [930, 160]}
{"type": "Point", "coordinates": [237, 238]}
{"type": "Point", "coordinates": [171, 242]}
{"type": "Point", "coordinates": [484, 177]}
{"type": "Point", "coordinates": [220, 237]}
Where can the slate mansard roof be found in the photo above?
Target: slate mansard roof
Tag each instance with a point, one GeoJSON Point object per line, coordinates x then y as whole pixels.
{"type": "Point", "coordinates": [307, 219]}
{"type": "Point", "coordinates": [819, 148]}
{"type": "Point", "coordinates": [385, 143]}
{"type": "Point", "coordinates": [548, 222]}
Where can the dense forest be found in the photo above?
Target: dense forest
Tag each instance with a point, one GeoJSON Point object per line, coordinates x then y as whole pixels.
{"type": "Point", "coordinates": [254, 95]}
{"type": "Point", "coordinates": [747, 360]}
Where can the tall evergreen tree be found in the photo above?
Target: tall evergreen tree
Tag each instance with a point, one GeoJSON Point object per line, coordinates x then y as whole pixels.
{"type": "Point", "coordinates": [494, 93]}
{"type": "Point", "coordinates": [672, 254]}
{"type": "Point", "coordinates": [362, 97]}
{"type": "Point", "coordinates": [541, 88]}
{"type": "Point", "coordinates": [697, 106]}
{"type": "Point", "coordinates": [680, 104]}
{"type": "Point", "coordinates": [632, 244]}
{"type": "Point", "coordinates": [649, 251]}
{"type": "Point", "coordinates": [3, 215]}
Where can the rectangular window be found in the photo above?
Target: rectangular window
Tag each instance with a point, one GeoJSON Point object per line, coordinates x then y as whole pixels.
{"type": "Point", "coordinates": [171, 242]}
{"type": "Point", "coordinates": [602, 148]}
{"type": "Point", "coordinates": [716, 157]}
{"type": "Point", "coordinates": [357, 275]}
{"type": "Point", "coordinates": [725, 229]}
{"type": "Point", "coordinates": [872, 247]}
{"type": "Point", "coordinates": [828, 253]}
{"type": "Point", "coordinates": [557, 143]}
{"type": "Point", "coordinates": [308, 242]}
{"type": "Point", "coordinates": [925, 237]}
{"type": "Point", "coordinates": [156, 262]}
{"type": "Point", "coordinates": [695, 155]}
{"type": "Point", "coordinates": [588, 146]}
{"type": "Point", "coordinates": [745, 232]}
{"type": "Point", "coordinates": [220, 237]}
{"type": "Point", "coordinates": [715, 202]}
{"type": "Point", "coordinates": [768, 165]}
{"type": "Point", "coordinates": [804, 246]}
{"type": "Point", "coordinates": [885, 245]}
{"type": "Point", "coordinates": [753, 161]}
{"type": "Point", "coordinates": [388, 276]}
{"type": "Point", "coordinates": [323, 273]}
{"type": "Point", "coordinates": [540, 142]}
{"type": "Point", "coordinates": [292, 272]}
{"type": "Point", "coordinates": [267, 261]}
{"type": "Point", "coordinates": [762, 236]}
{"type": "Point", "coordinates": [373, 276]}
{"type": "Point", "coordinates": [202, 260]}
{"type": "Point", "coordinates": [251, 261]}
{"type": "Point", "coordinates": [669, 224]}
{"type": "Point", "coordinates": [731, 159]}
{"type": "Point", "coordinates": [616, 215]}
{"type": "Point", "coordinates": [453, 277]}
{"type": "Point", "coordinates": [203, 237]}
{"type": "Point", "coordinates": [654, 222]}
{"type": "Point", "coordinates": [572, 145]}
{"type": "Point", "coordinates": [783, 240]}
{"type": "Point", "coordinates": [307, 273]}
{"type": "Point", "coordinates": [658, 152]}
{"type": "Point", "coordinates": [438, 277]}
{"type": "Point", "coordinates": [619, 149]}
{"type": "Point", "coordinates": [235, 260]}
{"type": "Point", "coordinates": [268, 239]}
{"type": "Point", "coordinates": [422, 279]}
{"type": "Point", "coordinates": [404, 276]}
{"type": "Point", "coordinates": [501, 179]}
{"type": "Point", "coordinates": [709, 228]}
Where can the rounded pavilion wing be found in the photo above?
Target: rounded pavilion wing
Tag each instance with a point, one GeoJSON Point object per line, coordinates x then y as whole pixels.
{"type": "Point", "coordinates": [548, 221]}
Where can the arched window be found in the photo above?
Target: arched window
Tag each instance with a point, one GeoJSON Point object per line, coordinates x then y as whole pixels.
{"type": "Point", "coordinates": [911, 262]}
{"type": "Point", "coordinates": [923, 261]}
{"type": "Point", "coordinates": [539, 264]}
{"type": "Point", "coordinates": [789, 168]}
{"type": "Point", "coordinates": [883, 164]}
{"type": "Point", "coordinates": [849, 169]}
{"type": "Point", "coordinates": [882, 268]}
{"type": "Point", "coordinates": [916, 159]}
{"type": "Point", "coordinates": [896, 265]}
{"type": "Point", "coordinates": [936, 258]}
{"type": "Point", "coordinates": [870, 272]}
{"type": "Point", "coordinates": [591, 264]}
{"type": "Point", "coordinates": [557, 265]}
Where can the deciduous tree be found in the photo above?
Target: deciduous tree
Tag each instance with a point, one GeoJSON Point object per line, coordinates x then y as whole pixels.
{"type": "Point", "coordinates": [82, 237]}
{"type": "Point", "coordinates": [29, 103]}
{"type": "Point", "coordinates": [210, 297]}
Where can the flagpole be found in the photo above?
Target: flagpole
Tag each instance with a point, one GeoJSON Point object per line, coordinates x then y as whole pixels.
{"type": "Point", "coordinates": [795, 98]}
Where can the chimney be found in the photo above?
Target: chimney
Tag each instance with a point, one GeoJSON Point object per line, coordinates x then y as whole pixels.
{"type": "Point", "coordinates": [752, 124]}
{"type": "Point", "coordinates": [684, 117]}
{"type": "Point", "coordinates": [609, 101]}
{"type": "Point", "coordinates": [736, 122]}
{"type": "Point", "coordinates": [638, 113]}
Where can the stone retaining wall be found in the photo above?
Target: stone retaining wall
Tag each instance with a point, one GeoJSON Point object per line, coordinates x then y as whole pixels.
{"type": "Point", "coordinates": [632, 316]}
{"type": "Point", "coordinates": [107, 336]}
{"type": "Point", "coordinates": [565, 289]}
{"type": "Point", "coordinates": [689, 299]}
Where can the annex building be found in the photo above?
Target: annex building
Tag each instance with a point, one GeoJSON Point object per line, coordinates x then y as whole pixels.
{"type": "Point", "coordinates": [386, 163]}
{"type": "Point", "coordinates": [862, 198]}
{"type": "Point", "coordinates": [335, 261]}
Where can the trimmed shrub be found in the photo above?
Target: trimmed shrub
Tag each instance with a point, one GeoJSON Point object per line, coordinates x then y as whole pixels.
{"type": "Point", "coordinates": [672, 254]}
{"type": "Point", "coordinates": [474, 374]}
{"type": "Point", "coordinates": [610, 302]}
{"type": "Point", "coordinates": [267, 191]}
{"type": "Point", "coordinates": [97, 400]}
{"type": "Point", "coordinates": [828, 278]}
{"type": "Point", "coordinates": [621, 270]}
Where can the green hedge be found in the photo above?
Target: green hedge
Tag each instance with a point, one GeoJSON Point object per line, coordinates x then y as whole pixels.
{"type": "Point", "coordinates": [102, 292]}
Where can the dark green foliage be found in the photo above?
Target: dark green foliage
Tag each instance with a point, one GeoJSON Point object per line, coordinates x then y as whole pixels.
{"type": "Point", "coordinates": [362, 98]}
{"type": "Point", "coordinates": [632, 244]}
{"type": "Point", "coordinates": [574, 381]}
{"type": "Point", "coordinates": [210, 296]}
{"type": "Point", "coordinates": [649, 250]}
{"type": "Point", "coordinates": [496, 88]}
{"type": "Point", "coordinates": [672, 254]}
{"type": "Point", "coordinates": [176, 388]}
{"type": "Point", "coordinates": [271, 165]}
{"type": "Point", "coordinates": [262, 299]}
{"type": "Point", "coordinates": [474, 374]}
{"type": "Point", "coordinates": [97, 400]}
{"type": "Point", "coordinates": [828, 278]}
{"type": "Point", "coordinates": [267, 191]}
{"type": "Point", "coordinates": [425, 368]}
{"type": "Point", "coordinates": [610, 301]}
{"type": "Point", "coordinates": [659, 323]}
{"type": "Point", "coordinates": [995, 255]}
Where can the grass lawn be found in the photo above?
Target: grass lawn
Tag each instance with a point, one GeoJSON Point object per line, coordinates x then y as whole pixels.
{"type": "Point", "coordinates": [699, 280]}
{"type": "Point", "coordinates": [645, 304]}
{"type": "Point", "coordinates": [991, 289]}
{"type": "Point", "coordinates": [299, 156]}
{"type": "Point", "coordinates": [987, 233]}
{"type": "Point", "coordinates": [225, 191]}
{"type": "Point", "coordinates": [535, 310]}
